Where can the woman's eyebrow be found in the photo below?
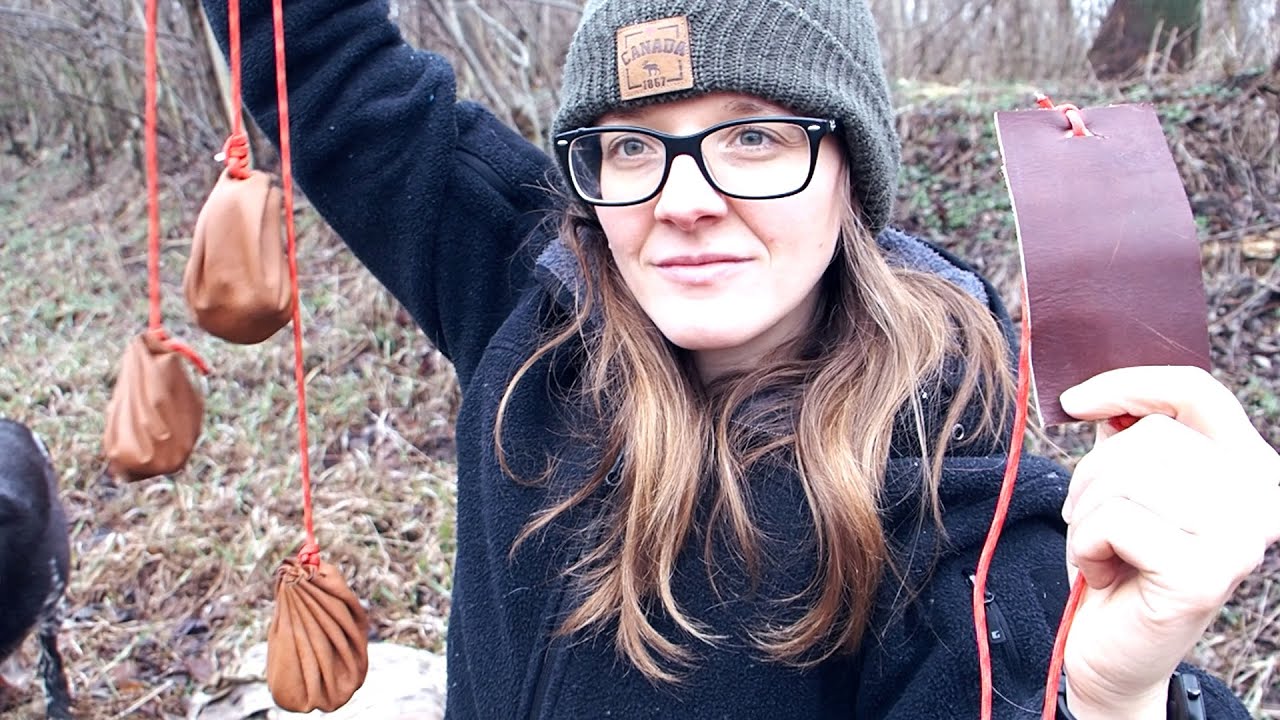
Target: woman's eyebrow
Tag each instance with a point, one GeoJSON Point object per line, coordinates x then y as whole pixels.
{"type": "Point", "coordinates": [738, 106]}
{"type": "Point", "coordinates": [625, 115]}
{"type": "Point", "coordinates": [751, 107]}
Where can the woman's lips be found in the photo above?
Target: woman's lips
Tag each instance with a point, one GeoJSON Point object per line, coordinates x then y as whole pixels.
{"type": "Point", "coordinates": [700, 270]}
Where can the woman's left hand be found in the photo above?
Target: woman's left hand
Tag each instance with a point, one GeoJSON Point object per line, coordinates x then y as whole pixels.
{"type": "Point", "coordinates": [1165, 519]}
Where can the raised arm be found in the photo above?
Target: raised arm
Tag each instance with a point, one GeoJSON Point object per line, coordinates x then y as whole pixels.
{"type": "Point", "coordinates": [434, 196]}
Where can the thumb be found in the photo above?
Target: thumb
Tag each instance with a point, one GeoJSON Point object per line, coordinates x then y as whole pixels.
{"type": "Point", "coordinates": [1189, 395]}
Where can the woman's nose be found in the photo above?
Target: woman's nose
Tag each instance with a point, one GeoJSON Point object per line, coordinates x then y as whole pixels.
{"type": "Point", "coordinates": [687, 197]}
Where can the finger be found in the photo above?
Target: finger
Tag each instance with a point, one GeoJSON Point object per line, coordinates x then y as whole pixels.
{"type": "Point", "coordinates": [1085, 474]}
{"type": "Point", "coordinates": [1169, 468]}
{"type": "Point", "coordinates": [1187, 394]}
{"type": "Point", "coordinates": [1185, 573]}
{"type": "Point", "coordinates": [1121, 535]}
{"type": "Point", "coordinates": [1102, 566]}
{"type": "Point", "coordinates": [1141, 455]}
{"type": "Point", "coordinates": [1107, 428]}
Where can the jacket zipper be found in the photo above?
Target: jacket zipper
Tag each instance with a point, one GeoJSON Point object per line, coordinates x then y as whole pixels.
{"type": "Point", "coordinates": [544, 667]}
{"type": "Point", "coordinates": [611, 479]}
{"type": "Point", "coordinates": [998, 632]}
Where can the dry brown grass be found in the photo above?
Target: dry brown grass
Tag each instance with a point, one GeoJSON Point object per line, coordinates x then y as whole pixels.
{"type": "Point", "coordinates": [171, 576]}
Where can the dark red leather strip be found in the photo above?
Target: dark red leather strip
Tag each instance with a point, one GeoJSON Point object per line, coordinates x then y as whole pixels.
{"type": "Point", "coordinates": [1109, 247]}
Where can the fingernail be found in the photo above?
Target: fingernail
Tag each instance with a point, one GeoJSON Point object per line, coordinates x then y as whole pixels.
{"type": "Point", "coordinates": [1066, 512]}
{"type": "Point", "coordinates": [1069, 395]}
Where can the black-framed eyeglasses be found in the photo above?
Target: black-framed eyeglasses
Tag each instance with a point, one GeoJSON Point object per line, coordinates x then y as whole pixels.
{"type": "Point", "coordinates": [756, 158]}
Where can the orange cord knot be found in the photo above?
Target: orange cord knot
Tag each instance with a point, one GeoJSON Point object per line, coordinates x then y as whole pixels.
{"type": "Point", "coordinates": [235, 152]}
{"type": "Point", "coordinates": [1072, 113]}
{"type": "Point", "coordinates": [181, 348]}
{"type": "Point", "coordinates": [309, 554]}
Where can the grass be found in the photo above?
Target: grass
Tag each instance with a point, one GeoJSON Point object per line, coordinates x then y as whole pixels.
{"type": "Point", "coordinates": [172, 576]}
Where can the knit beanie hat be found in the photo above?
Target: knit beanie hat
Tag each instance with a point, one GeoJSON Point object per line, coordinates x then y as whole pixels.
{"type": "Point", "coordinates": [821, 58]}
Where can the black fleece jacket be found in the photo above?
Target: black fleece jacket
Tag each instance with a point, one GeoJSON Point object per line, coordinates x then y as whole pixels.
{"type": "Point", "coordinates": [448, 208]}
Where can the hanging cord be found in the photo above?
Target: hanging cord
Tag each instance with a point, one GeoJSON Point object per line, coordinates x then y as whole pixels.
{"type": "Point", "coordinates": [155, 324]}
{"type": "Point", "coordinates": [1001, 511]}
{"type": "Point", "coordinates": [235, 151]}
{"type": "Point", "coordinates": [1050, 708]}
{"type": "Point", "coordinates": [310, 552]}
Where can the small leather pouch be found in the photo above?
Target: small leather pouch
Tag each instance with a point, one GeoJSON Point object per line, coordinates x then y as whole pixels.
{"type": "Point", "coordinates": [154, 415]}
{"type": "Point", "coordinates": [237, 281]}
{"type": "Point", "coordinates": [317, 645]}
{"type": "Point", "coordinates": [1109, 247]}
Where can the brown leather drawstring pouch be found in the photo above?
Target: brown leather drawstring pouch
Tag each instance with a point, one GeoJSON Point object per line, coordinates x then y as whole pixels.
{"type": "Point", "coordinates": [154, 415]}
{"type": "Point", "coordinates": [317, 645]}
{"type": "Point", "coordinates": [237, 279]}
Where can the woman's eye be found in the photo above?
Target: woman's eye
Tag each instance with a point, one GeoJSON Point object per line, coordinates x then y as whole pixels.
{"type": "Point", "coordinates": [755, 137]}
{"type": "Point", "coordinates": [629, 146]}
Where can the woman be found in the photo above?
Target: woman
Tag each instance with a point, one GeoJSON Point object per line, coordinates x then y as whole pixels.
{"type": "Point", "coordinates": [729, 446]}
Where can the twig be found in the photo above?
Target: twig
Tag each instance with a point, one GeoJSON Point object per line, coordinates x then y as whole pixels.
{"type": "Point", "coordinates": [1263, 622]}
{"type": "Point", "coordinates": [1267, 288]}
{"type": "Point", "coordinates": [144, 700]}
{"type": "Point", "coordinates": [55, 21]}
{"type": "Point", "coordinates": [1236, 232]}
{"type": "Point", "coordinates": [516, 51]}
{"type": "Point", "coordinates": [1152, 47]}
{"type": "Point", "coordinates": [558, 4]}
{"type": "Point", "coordinates": [448, 14]}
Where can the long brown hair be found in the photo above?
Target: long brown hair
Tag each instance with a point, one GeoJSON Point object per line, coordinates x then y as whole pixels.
{"type": "Point", "coordinates": [827, 401]}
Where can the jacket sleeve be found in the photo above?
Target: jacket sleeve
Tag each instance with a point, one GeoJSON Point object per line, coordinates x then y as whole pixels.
{"type": "Point", "coordinates": [434, 196]}
{"type": "Point", "coordinates": [920, 656]}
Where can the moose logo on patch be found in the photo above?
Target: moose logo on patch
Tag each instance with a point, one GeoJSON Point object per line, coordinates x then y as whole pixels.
{"type": "Point", "coordinates": [654, 58]}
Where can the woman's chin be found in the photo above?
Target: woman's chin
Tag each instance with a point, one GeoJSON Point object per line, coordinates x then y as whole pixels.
{"type": "Point", "coordinates": [696, 338]}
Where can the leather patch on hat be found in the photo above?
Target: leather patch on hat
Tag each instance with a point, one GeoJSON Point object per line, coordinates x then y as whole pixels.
{"type": "Point", "coordinates": [654, 58]}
